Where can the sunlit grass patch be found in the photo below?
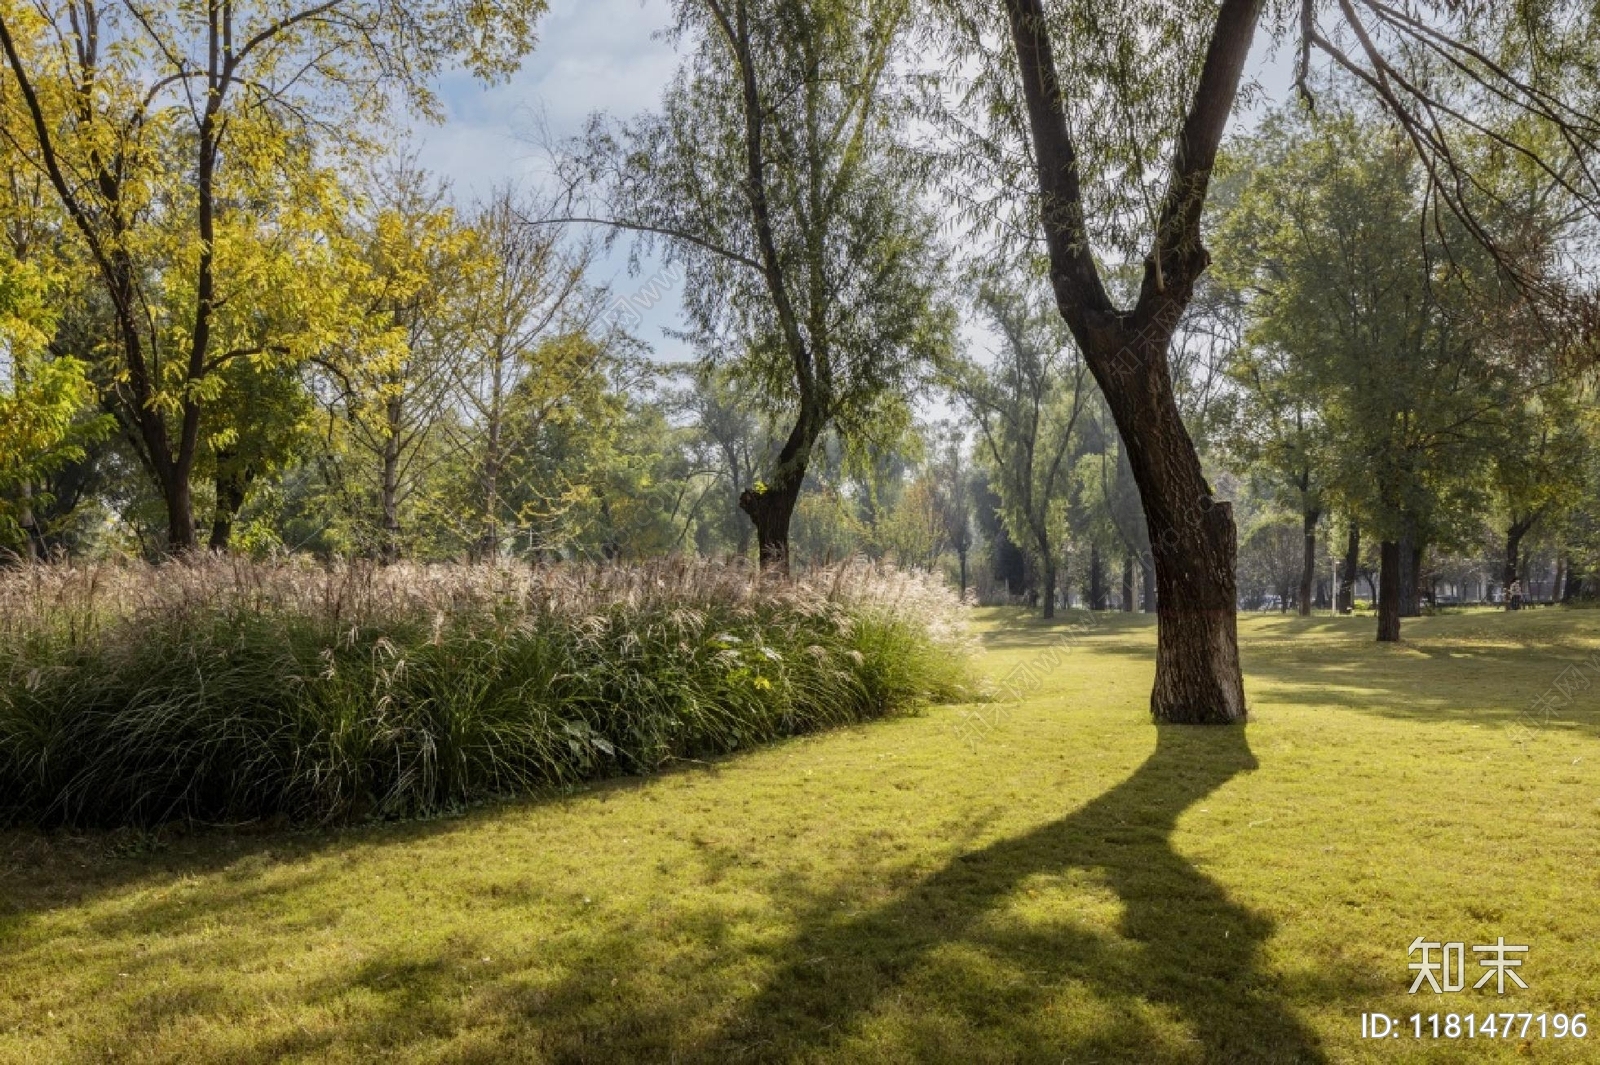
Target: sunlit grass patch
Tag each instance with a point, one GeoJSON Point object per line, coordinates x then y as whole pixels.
{"type": "Point", "coordinates": [1070, 884]}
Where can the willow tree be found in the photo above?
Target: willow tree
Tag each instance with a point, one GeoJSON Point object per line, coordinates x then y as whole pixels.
{"type": "Point", "coordinates": [1116, 135]}
{"type": "Point", "coordinates": [191, 145]}
{"type": "Point", "coordinates": [772, 175]}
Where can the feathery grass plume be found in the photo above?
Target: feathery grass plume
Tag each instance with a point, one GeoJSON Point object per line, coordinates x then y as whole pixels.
{"type": "Point", "coordinates": [223, 689]}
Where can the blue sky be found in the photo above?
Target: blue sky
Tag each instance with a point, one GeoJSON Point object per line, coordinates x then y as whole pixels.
{"type": "Point", "coordinates": [599, 55]}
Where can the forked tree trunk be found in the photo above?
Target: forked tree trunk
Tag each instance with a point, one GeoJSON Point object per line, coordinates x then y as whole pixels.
{"type": "Point", "coordinates": [1308, 565]}
{"type": "Point", "coordinates": [770, 511]}
{"type": "Point", "coordinates": [1192, 536]}
{"type": "Point", "coordinates": [1389, 592]}
{"type": "Point", "coordinates": [1347, 572]}
{"type": "Point", "coordinates": [771, 505]}
{"type": "Point", "coordinates": [1514, 534]}
{"type": "Point", "coordinates": [232, 488]}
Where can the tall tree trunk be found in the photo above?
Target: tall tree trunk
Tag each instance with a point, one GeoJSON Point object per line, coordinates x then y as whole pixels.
{"type": "Point", "coordinates": [1096, 590]}
{"type": "Point", "coordinates": [1389, 592]}
{"type": "Point", "coordinates": [489, 549]}
{"type": "Point", "coordinates": [390, 549]}
{"type": "Point", "coordinates": [1127, 583]}
{"type": "Point", "coordinates": [232, 487]}
{"type": "Point", "coordinates": [1147, 584]}
{"type": "Point", "coordinates": [1347, 572]}
{"type": "Point", "coordinates": [1559, 584]}
{"type": "Point", "coordinates": [1308, 566]}
{"type": "Point", "coordinates": [1192, 535]}
{"type": "Point", "coordinates": [961, 556]}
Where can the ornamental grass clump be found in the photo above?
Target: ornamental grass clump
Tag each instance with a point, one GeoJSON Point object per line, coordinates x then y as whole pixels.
{"type": "Point", "coordinates": [227, 690]}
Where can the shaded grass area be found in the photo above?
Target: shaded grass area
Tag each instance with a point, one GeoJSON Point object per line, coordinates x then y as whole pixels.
{"type": "Point", "coordinates": [1045, 879]}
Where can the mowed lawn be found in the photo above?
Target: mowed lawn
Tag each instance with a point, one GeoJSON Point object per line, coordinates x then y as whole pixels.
{"type": "Point", "coordinates": [1047, 879]}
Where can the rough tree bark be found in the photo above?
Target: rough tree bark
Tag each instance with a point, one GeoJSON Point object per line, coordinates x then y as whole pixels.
{"type": "Point", "coordinates": [1389, 592]}
{"type": "Point", "coordinates": [1192, 535]}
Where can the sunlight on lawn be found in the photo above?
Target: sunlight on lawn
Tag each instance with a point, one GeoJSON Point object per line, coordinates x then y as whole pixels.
{"type": "Point", "coordinates": [1053, 879]}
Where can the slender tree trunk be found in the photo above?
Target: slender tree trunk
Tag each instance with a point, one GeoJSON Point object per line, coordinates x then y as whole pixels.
{"type": "Point", "coordinates": [1559, 584]}
{"type": "Point", "coordinates": [961, 556]}
{"type": "Point", "coordinates": [1389, 592]}
{"type": "Point", "coordinates": [1347, 572]}
{"type": "Point", "coordinates": [1308, 566]}
{"type": "Point", "coordinates": [29, 523]}
{"type": "Point", "coordinates": [1096, 579]}
{"type": "Point", "coordinates": [1147, 582]}
{"type": "Point", "coordinates": [1128, 605]}
{"type": "Point", "coordinates": [390, 550]}
{"type": "Point", "coordinates": [489, 550]}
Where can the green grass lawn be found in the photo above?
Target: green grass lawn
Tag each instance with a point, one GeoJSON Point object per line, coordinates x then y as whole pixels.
{"type": "Point", "coordinates": [1048, 879]}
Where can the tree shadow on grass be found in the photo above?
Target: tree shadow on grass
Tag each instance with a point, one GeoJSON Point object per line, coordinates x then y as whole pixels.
{"type": "Point", "coordinates": [1185, 949]}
